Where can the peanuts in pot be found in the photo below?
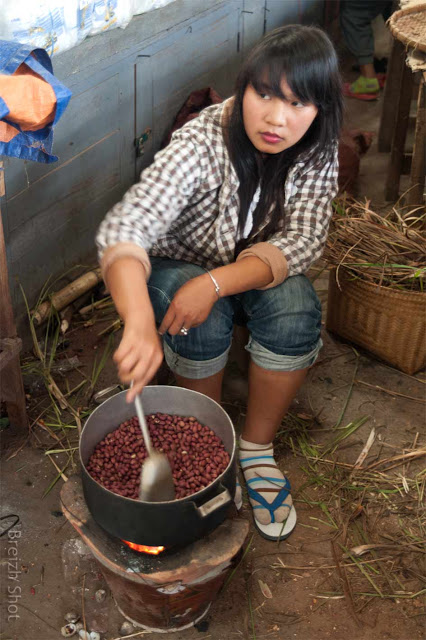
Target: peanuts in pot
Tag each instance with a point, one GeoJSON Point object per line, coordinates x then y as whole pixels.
{"type": "Point", "coordinates": [196, 454]}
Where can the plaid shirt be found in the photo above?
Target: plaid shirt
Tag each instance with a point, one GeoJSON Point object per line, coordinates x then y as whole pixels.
{"type": "Point", "coordinates": [186, 205]}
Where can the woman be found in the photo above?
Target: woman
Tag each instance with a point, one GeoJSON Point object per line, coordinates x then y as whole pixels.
{"type": "Point", "coordinates": [232, 213]}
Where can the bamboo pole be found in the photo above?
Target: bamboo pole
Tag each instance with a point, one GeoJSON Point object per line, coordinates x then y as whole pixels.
{"type": "Point", "coordinates": [68, 294]}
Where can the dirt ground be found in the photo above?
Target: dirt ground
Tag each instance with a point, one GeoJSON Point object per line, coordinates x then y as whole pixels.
{"type": "Point", "coordinates": [376, 596]}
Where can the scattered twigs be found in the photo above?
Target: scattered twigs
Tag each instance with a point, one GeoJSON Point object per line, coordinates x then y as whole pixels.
{"type": "Point", "coordinates": [98, 366]}
{"type": "Point", "coordinates": [336, 596]}
{"type": "Point", "coordinates": [137, 634]}
{"type": "Point", "coordinates": [353, 500]}
{"type": "Point", "coordinates": [411, 455]}
{"type": "Point", "coordinates": [348, 397]}
{"type": "Point", "coordinates": [63, 476]}
{"type": "Point", "coordinates": [349, 430]}
{"type": "Point", "coordinates": [39, 617]}
{"type": "Point", "coordinates": [104, 303]}
{"type": "Point", "coordinates": [345, 584]}
{"type": "Point", "coordinates": [388, 391]}
{"type": "Point", "coordinates": [364, 453]}
{"type": "Point", "coordinates": [366, 548]}
{"type": "Point", "coordinates": [281, 565]}
{"type": "Point", "coordinates": [111, 328]}
{"type": "Point", "coordinates": [253, 628]}
{"type": "Point", "coordinates": [46, 361]}
{"type": "Point", "coordinates": [21, 446]}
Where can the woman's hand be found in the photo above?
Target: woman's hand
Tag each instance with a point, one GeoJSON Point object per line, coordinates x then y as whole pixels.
{"type": "Point", "coordinates": [140, 353]}
{"type": "Point", "coordinates": [190, 306]}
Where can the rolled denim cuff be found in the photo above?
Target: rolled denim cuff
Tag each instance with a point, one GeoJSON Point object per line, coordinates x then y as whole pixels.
{"type": "Point", "coordinates": [275, 362]}
{"type": "Point", "coordinates": [194, 369]}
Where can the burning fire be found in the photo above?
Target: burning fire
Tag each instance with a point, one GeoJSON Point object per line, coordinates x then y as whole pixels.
{"type": "Point", "coordinates": [143, 548]}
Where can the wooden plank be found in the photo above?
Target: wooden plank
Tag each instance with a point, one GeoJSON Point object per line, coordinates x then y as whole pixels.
{"type": "Point", "coordinates": [418, 163]}
{"type": "Point", "coordinates": [105, 49]}
{"type": "Point", "coordinates": [68, 188]}
{"type": "Point", "coordinates": [399, 136]}
{"type": "Point", "coordinates": [252, 23]}
{"type": "Point", "coordinates": [12, 387]}
{"type": "Point", "coordinates": [193, 54]}
{"type": "Point", "coordinates": [278, 13]}
{"type": "Point", "coordinates": [143, 111]}
{"type": "Point", "coordinates": [7, 322]}
{"type": "Point", "coordinates": [90, 116]}
{"type": "Point", "coordinates": [391, 96]}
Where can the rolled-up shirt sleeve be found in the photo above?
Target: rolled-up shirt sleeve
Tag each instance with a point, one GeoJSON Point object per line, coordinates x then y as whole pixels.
{"type": "Point", "coordinates": [308, 213]}
{"type": "Point", "coordinates": [150, 206]}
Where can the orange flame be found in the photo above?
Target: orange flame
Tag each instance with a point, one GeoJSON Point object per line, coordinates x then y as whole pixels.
{"type": "Point", "coordinates": [142, 548]}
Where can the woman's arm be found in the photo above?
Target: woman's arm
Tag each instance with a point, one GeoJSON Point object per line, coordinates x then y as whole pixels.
{"type": "Point", "coordinates": [151, 205]}
{"type": "Point", "coordinates": [139, 354]}
{"type": "Point", "coordinates": [124, 237]}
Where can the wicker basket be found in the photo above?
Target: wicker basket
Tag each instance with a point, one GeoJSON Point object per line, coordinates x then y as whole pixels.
{"type": "Point", "coordinates": [409, 26]}
{"type": "Point", "coordinates": [389, 323]}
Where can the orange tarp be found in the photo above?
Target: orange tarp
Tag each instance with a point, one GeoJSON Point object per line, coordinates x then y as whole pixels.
{"type": "Point", "coordinates": [30, 99]}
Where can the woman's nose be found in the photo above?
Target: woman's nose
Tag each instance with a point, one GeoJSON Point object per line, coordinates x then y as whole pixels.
{"type": "Point", "coordinates": [277, 113]}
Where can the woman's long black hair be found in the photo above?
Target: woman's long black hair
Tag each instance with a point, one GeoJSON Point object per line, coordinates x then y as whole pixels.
{"type": "Point", "coordinates": [306, 58]}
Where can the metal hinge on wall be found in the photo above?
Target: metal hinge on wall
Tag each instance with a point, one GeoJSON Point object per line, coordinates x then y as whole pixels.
{"type": "Point", "coordinates": [140, 142]}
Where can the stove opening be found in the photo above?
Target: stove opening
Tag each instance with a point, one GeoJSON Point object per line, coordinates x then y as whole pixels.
{"type": "Point", "coordinates": [143, 548]}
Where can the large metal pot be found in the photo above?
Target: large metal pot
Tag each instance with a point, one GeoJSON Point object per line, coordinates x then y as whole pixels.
{"type": "Point", "coordinates": [172, 523]}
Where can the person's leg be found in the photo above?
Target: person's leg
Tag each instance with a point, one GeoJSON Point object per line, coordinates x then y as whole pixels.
{"type": "Point", "coordinates": [284, 323]}
{"type": "Point", "coordinates": [367, 70]}
{"type": "Point", "coordinates": [270, 396]}
{"type": "Point", "coordinates": [355, 21]}
{"type": "Point", "coordinates": [210, 386]}
{"type": "Point", "coordinates": [197, 359]}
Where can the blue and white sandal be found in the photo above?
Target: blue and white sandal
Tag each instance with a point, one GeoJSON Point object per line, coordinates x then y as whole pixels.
{"type": "Point", "coordinates": [264, 479]}
{"type": "Point", "coordinates": [274, 530]}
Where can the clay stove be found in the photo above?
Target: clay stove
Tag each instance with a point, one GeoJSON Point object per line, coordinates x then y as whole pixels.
{"type": "Point", "coordinates": [167, 592]}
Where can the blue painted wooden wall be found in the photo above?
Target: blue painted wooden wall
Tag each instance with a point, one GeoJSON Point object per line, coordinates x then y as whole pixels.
{"type": "Point", "coordinates": [123, 82]}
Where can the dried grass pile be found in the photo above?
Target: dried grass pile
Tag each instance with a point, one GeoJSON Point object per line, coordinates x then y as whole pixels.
{"type": "Point", "coordinates": [389, 250]}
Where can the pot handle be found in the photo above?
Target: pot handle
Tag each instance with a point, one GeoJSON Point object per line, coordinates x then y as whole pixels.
{"type": "Point", "coordinates": [215, 503]}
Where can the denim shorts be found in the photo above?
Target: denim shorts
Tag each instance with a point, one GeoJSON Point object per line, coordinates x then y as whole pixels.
{"type": "Point", "coordinates": [284, 323]}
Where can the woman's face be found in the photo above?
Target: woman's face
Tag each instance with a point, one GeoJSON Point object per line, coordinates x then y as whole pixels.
{"type": "Point", "coordinates": [274, 123]}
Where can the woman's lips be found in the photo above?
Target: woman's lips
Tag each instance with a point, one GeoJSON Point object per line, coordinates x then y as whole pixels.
{"type": "Point", "coordinates": [270, 138]}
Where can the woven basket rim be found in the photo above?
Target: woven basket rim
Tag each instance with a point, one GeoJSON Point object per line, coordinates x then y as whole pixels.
{"type": "Point", "coordinates": [400, 35]}
{"type": "Point", "coordinates": [344, 275]}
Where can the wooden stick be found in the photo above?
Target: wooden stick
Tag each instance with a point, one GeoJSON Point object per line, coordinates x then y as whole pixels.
{"type": "Point", "coordinates": [99, 304]}
{"type": "Point", "coordinates": [389, 391]}
{"type": "Point", "coordinates": [63, 476]}
{"type": "Point", "coordinates": [362, 456]}
{"type": "Point", "coordinates": [399, 459]}
{"type": "Point", "coordinates": [68, 294]}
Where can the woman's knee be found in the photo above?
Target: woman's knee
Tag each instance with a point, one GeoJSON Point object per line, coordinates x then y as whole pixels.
{"type": "Point", "coordinates": [286, 319]}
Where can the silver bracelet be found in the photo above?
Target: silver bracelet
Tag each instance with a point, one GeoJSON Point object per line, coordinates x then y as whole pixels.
{"type": "Point", "coordinates": [216, 286]}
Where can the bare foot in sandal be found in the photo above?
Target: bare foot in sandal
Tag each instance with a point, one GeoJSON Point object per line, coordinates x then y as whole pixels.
{"type": "Point", "coordinates": [269, 491]}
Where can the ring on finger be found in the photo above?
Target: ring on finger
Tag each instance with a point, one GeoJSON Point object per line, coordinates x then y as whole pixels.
{"type": "Point", "coordinates": [184, 331]}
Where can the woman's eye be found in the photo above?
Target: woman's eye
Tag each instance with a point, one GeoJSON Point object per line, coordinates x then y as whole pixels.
{"type": "Point", "coordinates": [265, 96]}
{"type": "Point", "coordinates": [297, 103]}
